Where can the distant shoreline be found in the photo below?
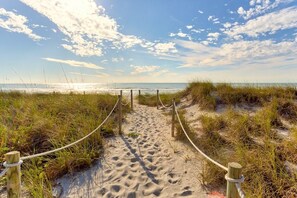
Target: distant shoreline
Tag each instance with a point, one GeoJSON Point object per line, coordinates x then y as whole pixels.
{"type": "Point", "coordinates": [114, 87]}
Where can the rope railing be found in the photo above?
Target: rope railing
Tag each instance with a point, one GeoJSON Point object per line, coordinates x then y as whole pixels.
{"type": "Point", "coordinates": [201, 152]}
{"type": "Point", "coordinates": [239, 190]}
{"type": "Point", "coordinates": [14, 161]}
{"type": "Point", "coordinates": [73, 143]}
{"type": "Point", "coordinates": [12, 165]}
{"type": "Point", "coordinates": [125, 104]}
{"type": "Point", "coordinates": [236, 182]}
{"type": "Point", "coordinates": [162, 104]}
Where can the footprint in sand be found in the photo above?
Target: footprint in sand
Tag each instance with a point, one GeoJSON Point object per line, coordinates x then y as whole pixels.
{"type": "Point", "coordinates": [115, 158]}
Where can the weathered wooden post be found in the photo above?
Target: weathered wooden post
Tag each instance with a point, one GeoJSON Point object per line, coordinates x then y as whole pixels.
{"type": "Point", "coordinates": [120, 113]}
{"type": "Point", "coordinates": [139, 93]}
{"type": "Point", "coordinates": [234, 172]}
{"type": "Point", "coordinates": [131, 99]}
{"type": "Point", "coordinates": [157, 98]}
{"type": "Point", "coordinates": [13, 175]}
{"type": "Point", "coordinates": [173, 117]}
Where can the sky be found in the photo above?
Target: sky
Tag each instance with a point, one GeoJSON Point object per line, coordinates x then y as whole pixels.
{"type": "Point", "coordinates": [113, 41]}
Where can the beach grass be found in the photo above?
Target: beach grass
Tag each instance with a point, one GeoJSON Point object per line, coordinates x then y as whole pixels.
{"type": "Point", "coordinates": [166, 98]}
{"type": "Point", "coordinates": [249, 138]}
{"type": "Point", "coordinates": [34, 123]}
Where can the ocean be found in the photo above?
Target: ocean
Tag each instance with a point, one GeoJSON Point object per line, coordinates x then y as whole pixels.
{"type": "Point", "coordinates": [115, 87]}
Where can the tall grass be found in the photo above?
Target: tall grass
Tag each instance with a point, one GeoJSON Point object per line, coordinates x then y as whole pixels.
{"type": "Point", "coordinates": [209, 96]}
{"type": "Point", "coordinates": [166, 98]}
{"type": "Point", "coordinates": [201, 92]}
{"type": "Point", "coordinates": [34, 123]}
{"type": "Point", "coordinates": [264, 164]}
{"type": "Point", "coordinates": [249, 139]}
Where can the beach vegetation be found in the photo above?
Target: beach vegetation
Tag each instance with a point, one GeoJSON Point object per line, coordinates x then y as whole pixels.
{"type": "Point", "coordinates": [251, 138]}
{"type": "Point", "coordinates": [34, 123]}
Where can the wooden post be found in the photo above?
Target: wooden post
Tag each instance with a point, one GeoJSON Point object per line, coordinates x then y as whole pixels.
{"type": "Point", "coordinates": [120, 113]}
{"type": "Point", "coordinates": [13, 175]}
{"type": "Point", "coordinates": [139, 93]}
{"type": "Point", "coordinates": [131, 99]}
{"type": "Point", "coordinates": [173, 117]}
{"type": "Point", "coordinates": [121, 93]}
{"type": "Point", "coordinates": [157, 98]}
{"type": "Point", "coordinates": [234, 172]}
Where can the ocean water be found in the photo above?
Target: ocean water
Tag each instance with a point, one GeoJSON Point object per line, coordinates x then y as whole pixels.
{"type": "Point", "coordinates": [115, 87]}
{"type": "Point", "coordinates": [93, 87]}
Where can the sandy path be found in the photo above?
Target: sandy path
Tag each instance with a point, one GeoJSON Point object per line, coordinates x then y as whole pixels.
{"type": "Point", "coordinates": [151, 165]}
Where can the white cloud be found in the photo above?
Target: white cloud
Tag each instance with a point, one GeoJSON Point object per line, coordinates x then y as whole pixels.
{"type": "Point", "coordinates": [269, 23]}
{"type": "Point", "coordinates": [205, 42]}
{"type": "Point", "coordinates": [265, 53]}
{"type": "Point", "coordinates": [143, 69]}
{"type": "Point", "coordinates": [85, 25]}
{"type": "Point", "coordinates": [97, 75]}
{"type": "Point", "coordinates": [213, 36]}
{"type": "Point", "coordinates": [227, 25]}
{"type": "Point", "coordinates": [260, 7]}
{"type": "Point", "coordinates": [163, 48]}
{"type": "Point", "coordinates": [17, 23]}
{"type": "Point", "coordinates": [74, 63]}
{"type": "Point", "coordinates": [88, 30]}
{"type": "Point", "coordinates": [189, 27]}
{"type": "Point", "coordinates": [54, 30]}
{"type": "Point", "coordinates": [201, 12]}
{"type": "Point", "coordinates": [197, 30]}
{"type": "Point", "coordinates": [213, 19]}
{"type": "Point", "coordinates": [181, 34]}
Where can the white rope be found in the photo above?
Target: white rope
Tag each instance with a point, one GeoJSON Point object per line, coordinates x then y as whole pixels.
{"type": "Point", "coordinates": [240, 180]}
{"type": "Point", "coordinates": [239, 190]}
{"type": "Point", "coordinates": [3, 172]}
{"type": "Point", "coordinates": [7, 166]}
{"type": "Point", "coordinates": [12, 165]}
{"type": "Point", "coordinates": [125, 104]}
{"type": "Point", "coordinates": [237, 184]}
{"type": "Point", "coordinates": [69, 145]}
{"type": "Point", "coordinates": [208, 158]}
{"type": "Point", "coordinates": [163, 104]}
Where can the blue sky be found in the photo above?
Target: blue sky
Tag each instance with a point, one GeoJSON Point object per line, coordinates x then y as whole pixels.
{"type": "Point", "coordinates": [148, 41]}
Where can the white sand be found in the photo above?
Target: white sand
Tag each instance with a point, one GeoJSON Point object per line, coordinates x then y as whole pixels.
{"type": "Point", "coordinates": [151, 165]}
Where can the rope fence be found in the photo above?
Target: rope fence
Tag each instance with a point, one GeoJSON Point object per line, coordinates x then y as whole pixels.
{"type": "Point", "coordinates": [233, 176]}
{"type": "Point", "coordinates": [125, 104]}
{"type": "Point", "coordinates": [162, 104]}
{"type": "Point", "coordinates": [201, 152]}
{"type": "Point", "coordinates": [13, 160]}
{"type": "Point", "coordinates": [232, 183]}
{"type": "Point", "coordinates": [73, 143]}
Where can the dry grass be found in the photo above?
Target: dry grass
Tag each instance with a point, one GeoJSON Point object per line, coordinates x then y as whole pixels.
{"type": "Point", "coordinates": [151, 99]}
{"type": "Point", "coordinates": [209, 96]}
{"type": "Point", "coordinates": [41, 122]}
{"type": "Point", "coordinates": [249, 139]}
{"type": "Point", "coordinates": [201, 92]}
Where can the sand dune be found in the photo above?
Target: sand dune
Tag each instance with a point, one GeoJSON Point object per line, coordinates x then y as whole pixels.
{"type": "Point", "coordinates": [150, 165]}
